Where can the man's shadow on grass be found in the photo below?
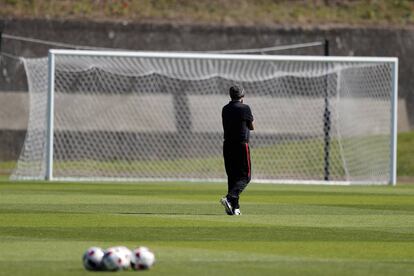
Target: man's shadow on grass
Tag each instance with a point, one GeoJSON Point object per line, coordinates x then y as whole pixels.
{"type": "Point", "coordinates": [171, 213]}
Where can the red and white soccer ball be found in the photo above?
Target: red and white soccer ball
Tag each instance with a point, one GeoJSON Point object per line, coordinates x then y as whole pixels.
{"type": "Point", "coordinates": [142, 258]}
{"type": "Point", "coordinates": [92, 258]}
{"type": "Point", "coordinates": [117, 258]}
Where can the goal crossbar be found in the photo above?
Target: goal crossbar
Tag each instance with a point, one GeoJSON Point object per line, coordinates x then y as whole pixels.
{"type": "Point", "coordinates": [190, 55]}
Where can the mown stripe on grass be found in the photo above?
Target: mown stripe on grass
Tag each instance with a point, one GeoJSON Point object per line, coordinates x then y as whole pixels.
{"type": "Point", "coordinates": [177, 220]}
{"type": "Point", "coordinates": [263, 233]}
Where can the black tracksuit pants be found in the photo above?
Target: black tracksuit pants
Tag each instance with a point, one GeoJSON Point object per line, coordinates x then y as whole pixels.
{"type": "Point", "coordinates": [238, 169]}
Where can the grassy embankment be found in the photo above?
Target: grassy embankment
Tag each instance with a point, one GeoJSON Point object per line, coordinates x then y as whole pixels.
{"type": "Point", "coordinates": [244, 12]}
{"type": "Point", "coordinates": [309, 162]}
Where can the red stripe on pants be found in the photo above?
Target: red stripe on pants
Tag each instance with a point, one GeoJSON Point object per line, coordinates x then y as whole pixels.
{"type": "Point", "coordinates": [248, 159]}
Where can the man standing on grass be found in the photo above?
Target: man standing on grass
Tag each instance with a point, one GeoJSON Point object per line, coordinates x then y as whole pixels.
{"type": "Point", "coordinates": [237, 123]}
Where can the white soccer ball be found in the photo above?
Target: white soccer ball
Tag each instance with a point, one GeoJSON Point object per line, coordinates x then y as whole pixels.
{"type": "Point", "coordinates": [92, 258]}
{"type": "Point", "coordinates": [142, 258]}
{"type": "Point", "coordinates": [124, 250]}
{"type": "Point", "coordinates": [117, 258]}
{"type": "Point", "coordinates": [128, 255]}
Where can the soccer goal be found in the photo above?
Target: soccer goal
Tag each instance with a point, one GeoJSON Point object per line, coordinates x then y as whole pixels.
{"type": "Point", "coordinates": [119, 116]}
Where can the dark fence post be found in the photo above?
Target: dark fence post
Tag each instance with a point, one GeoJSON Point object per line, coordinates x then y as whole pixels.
{"type": "Point", "coordinates": [1, 33]}
{"type": "Point", "coordinates": [327, 123]}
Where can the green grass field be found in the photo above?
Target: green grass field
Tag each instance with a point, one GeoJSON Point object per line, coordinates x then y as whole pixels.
{"type": "Point", "coordinates": [284, 230]}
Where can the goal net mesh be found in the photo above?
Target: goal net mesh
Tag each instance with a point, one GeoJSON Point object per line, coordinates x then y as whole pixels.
{"type": "Point", "coordinates": [125, 118]}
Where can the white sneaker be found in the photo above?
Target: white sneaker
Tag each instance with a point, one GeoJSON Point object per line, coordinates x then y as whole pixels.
{"type": "Point", "coordinates": [237, 212]}
{"type": "Point", "coordinates": [227, 206]}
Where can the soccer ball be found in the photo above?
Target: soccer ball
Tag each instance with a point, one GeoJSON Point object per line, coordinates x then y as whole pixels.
{"type": "Point", "coordinates": [92, 258]}
{"type": "Point", "coordinates": [117, 258]}
{"type": "Point", "coordinates": [125, 251]}
{"type": "Point", "coordinates": [142, 258]}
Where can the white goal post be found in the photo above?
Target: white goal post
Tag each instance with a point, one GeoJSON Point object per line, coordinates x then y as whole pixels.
{"type": "Point", "coordinates": [130, 116]}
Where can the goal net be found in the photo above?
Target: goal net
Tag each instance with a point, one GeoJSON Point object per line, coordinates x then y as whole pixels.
{"type": "Point", "coordinates": [97, 115]}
